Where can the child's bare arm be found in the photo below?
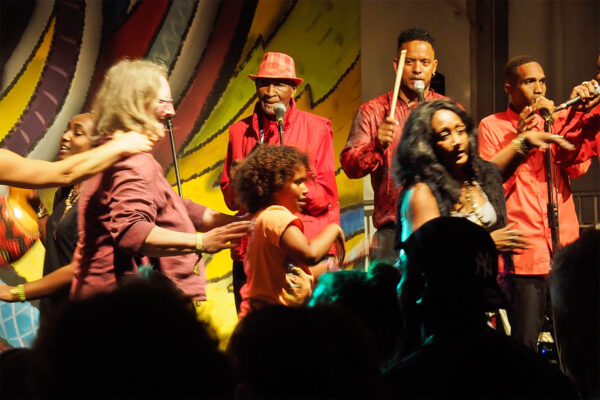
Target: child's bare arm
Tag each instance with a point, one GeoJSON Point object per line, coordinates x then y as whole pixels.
{"type": "Point", "coordinates": [294, 243]}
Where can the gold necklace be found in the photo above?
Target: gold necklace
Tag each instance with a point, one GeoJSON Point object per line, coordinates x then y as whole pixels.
{"type": "Point", "coordinates": [71, 199]}
{"type": "Point", "coordinates": [467, 199]}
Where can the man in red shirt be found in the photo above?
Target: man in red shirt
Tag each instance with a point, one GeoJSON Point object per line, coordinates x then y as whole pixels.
{"type": "Point", "coordinates": [375, 135]}
{"type": "Point", "coordinates": [515, 141]}
{"type": "Point", "coordinates": [276, 82]}
{"type": "Point", "coordinates": [590, 138]}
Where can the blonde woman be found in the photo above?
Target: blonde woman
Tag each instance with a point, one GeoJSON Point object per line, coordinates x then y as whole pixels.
{"type": "Point", "coordinates": [129, 214]}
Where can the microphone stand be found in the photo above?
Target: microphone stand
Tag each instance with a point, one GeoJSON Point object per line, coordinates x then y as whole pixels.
{"type": "Point", "coordinates": [170, 128]}
{"type": "Point", "coordinates": [553, 223]}
{"type": "Point", "coordinates": [280, 126]}
{"type": "Point", "coordinates": [552, 207]}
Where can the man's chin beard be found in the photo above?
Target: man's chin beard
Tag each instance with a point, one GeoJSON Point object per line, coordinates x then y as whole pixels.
{"type": "Point", "coordinates": [268, 111]}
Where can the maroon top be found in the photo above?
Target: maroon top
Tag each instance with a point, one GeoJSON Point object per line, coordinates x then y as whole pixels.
{"type": "Point", "coordinates": [363, 155]}
{"type": "Point", "coordinates": [117, 210]}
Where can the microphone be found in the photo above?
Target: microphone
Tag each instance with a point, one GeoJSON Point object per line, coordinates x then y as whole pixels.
{"type": "Point", "coordinates": [420, 88]}
{"type": "Point", "coordinates": [573, 101]}
{"type": "Point", "coordinates": [544, 113]}
{"type": "Point", "coordinates": [280, 109]}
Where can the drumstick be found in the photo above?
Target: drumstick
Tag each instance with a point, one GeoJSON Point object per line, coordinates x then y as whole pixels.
{"type": "Point", "coordinates": [397, 83]}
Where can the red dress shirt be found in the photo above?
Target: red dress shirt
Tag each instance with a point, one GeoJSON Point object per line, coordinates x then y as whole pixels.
{"type": "Point", "coordinates": [308, 133]}
{"type": "Point", "coordinates": [362, 154]}
{"type": "Point", "coordinates": [526, 190]}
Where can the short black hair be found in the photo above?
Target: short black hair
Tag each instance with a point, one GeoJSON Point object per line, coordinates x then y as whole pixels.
{"type": "Point", "coordinates": [510, 69]}
{"type": "Point", "coordinates": [411, 34]}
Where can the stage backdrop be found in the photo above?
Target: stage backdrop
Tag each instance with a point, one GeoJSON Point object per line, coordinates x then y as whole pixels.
{"type": "Point", "coordinates": [56, 52]}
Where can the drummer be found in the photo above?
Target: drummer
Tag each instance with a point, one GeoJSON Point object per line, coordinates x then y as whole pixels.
{"type": "Point", "coordinates": [375, 135]}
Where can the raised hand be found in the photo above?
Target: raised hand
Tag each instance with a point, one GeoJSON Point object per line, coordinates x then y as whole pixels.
{"type": "Point", "coordinates": [386, 132]}
{"type": "Point", "coordinates": [526, 120]}
{"type": "Point", "coordinates": [587, 92]}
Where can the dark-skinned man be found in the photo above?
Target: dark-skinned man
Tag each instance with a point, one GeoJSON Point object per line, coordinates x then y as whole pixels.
{"type": "Point", "coordinates": [516, 142]}
{"type": "Point", "coordinates": [375, 135]}
{"type": "Point", "coordinates": [276, 82]}
{"type": "Point", "coordinates": [590, 125]}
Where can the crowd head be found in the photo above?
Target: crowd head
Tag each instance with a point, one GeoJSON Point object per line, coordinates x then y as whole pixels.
{"type": "Point", "coordinates": [287, 352]}
{"type": "Point", "coordinates": [450, 267]}
{"type": "Point", "coordinates": [574, 283]}
{"type": "Point", "coordinates": [142, 340]}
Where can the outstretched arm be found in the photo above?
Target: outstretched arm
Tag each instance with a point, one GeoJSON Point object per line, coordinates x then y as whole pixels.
{"type": "Point", "coordinates": [43, 287]}
{"type": "Point", "coordinates": [162, 242]}
{"type": "Point", "coordinates": [23, 172]}
{"type": "Point", "coordinates": [294, 243]}
{"type": "Point", "coordinates": [510, 157]}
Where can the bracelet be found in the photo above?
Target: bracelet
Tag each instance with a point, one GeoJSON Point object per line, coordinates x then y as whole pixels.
{"type": "Point", "coordinates": [19, 292]}
{"type": "Point", "coordinates": [42, 211]}
{"type": "Point", "coordinates": [520, 146]}
{"type": "Point", "coordinates": [199, 243]}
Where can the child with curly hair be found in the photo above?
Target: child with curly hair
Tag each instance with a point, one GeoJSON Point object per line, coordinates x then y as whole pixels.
{"type": "Point", "coordinates": [270, 182]}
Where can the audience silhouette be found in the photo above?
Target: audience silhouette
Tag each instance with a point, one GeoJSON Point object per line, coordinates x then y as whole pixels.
{"type": "Point", "coordinates": [372, 298]}
{"type": "Point", "coordinates": [319, 352]}
{"type": "Point", "coordinates": [448, 283]}
{"type": "Point", "coordinates": [141, 341]}
{"type": "Point", "coordinates": [574, 283]}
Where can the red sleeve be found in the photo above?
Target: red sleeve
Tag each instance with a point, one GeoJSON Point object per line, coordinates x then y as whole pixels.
{"type": "Point", "coordinates": [361, 155]}
{"type": "Point", "coordinates": [583, 136]}
{"type": "Point", "coordinates": [569, 124]}
{"type": "Point", "coordinates": [322, 191]}
{"type": "Point", "coordinates": [226, 186]}
{"type": "Point", "coordinates": [489, 145]}
{"type": "Point", "coordinates": [132, 209]}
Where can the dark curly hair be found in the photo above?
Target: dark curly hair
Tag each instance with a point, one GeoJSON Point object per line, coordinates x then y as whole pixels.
{"type": "Point", "coordinates": [411, 34]}
{"type": "Point", "coordinates": [417, 161]}
{"type": "Point", "coordinates": [263, 172]}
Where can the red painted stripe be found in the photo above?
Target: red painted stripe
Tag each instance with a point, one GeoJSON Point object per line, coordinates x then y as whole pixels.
{"type": "Point", "coordinates": [132, 40]}
{"type": "Point", "coordinates": [206, 76]}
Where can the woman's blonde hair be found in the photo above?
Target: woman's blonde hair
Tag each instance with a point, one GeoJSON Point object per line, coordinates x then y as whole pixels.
{"type": "Point", "coordinates": [124, 101]}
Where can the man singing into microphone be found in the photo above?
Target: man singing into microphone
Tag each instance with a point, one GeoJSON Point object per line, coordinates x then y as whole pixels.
{"type": "Point", "coordinates": [374, 135]}
{"type": "Point", "coordinates": [276, 84]}
{"type": "Point", "coordinates": [515, 141]}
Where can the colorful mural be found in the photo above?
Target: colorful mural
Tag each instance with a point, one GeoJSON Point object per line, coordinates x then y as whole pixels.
{"type": "Point", "coordinates": [209, 47]}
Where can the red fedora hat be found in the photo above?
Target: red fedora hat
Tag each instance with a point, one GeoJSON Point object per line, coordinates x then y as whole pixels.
{"type": "Point", "coordinates": [277, 65]}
